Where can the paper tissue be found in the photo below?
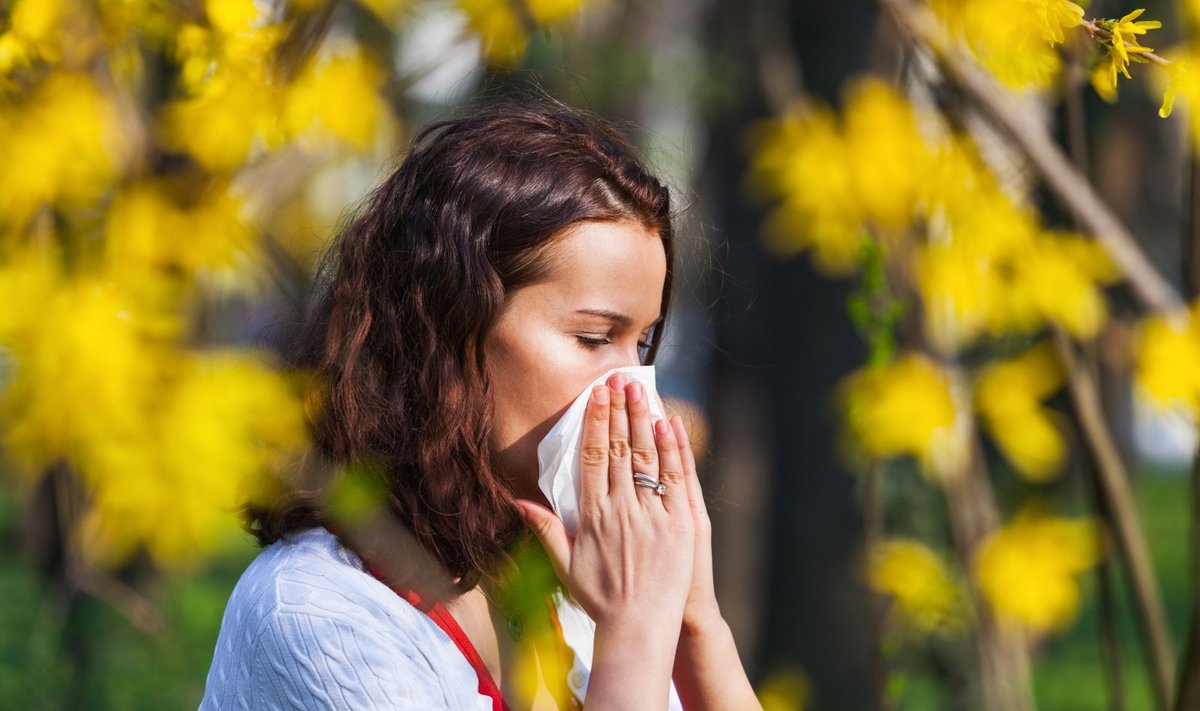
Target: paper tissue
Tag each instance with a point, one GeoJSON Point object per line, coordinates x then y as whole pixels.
{"type": "Point", "coordinates": [558, 452]}
{"type": "Point", "coordinates": [558, 478]}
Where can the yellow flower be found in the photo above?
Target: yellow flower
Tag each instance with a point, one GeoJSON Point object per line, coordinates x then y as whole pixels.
{"type": "Point", "coordinates": [914, 576]}
{"type": "Point", "coordinates": [337, 97]}
{"type": "Point", "coordinates": [63, 144]}
{"type": "Point", "coordinates": [1122, 48]}
{"type": "Point", "coordinates": [28, 279]}
{"type": "Point", "coordinates": [227, 117]}
{"type": "Point", "coordinates": [386, 10]}
{"type": "Point", "coordinates": [1168, 362]}
{"type": "Point", "coordinates": [963, 273]}
{"type": "Point", "coordinates": [1013, 39]}
{"type": "Point", "coordinates": [503, 32]}
{"type": "Point", "coordinates": [233, 101]}
{"type": "Point", "coordinates": [956, 176]}
{"type": "Point", "coordinates": [1055, 279]}
{"type": "Point", "coordinates": [86, 373]}
{"type": "Point", "coordinates": [803, 158]}
{"type": "Point", "coordinates": [224, 426]}
{"type": "Point", "coordinates": [1125, 33]}
{"type": "Point", "coordinates": [1008, 395]}
{"type": "Point", "coordinates": [959, 290]}
{"type": "Point", "coordinates": [909, 407]}
{"type": "Point", "coordinates": [1180, 79]}
{"type": "Point", "coordinates": [148, 227]}
{"type": "Point", "coordinates": [231, 16]}
{"type": "Point", "coordinates": [889, 158]}
{"type": "Point", "coordinates": [1104, 77]}
{"type": "Point", "coordinates": [551, 11]}
{"type": "Point", "coordinates": [989, 268]}
{"type": "Point", "coordinates": [785, 689]}
{"type": "Point", "coordinates": [1027, 570]}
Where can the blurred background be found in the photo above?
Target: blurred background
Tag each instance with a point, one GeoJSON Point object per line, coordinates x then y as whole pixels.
{"type": "Point", "coordinates": [915, 503]}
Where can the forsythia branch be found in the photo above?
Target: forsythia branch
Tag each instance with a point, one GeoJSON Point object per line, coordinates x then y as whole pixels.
{"type": "Point", "coordinates": [1076, 194]}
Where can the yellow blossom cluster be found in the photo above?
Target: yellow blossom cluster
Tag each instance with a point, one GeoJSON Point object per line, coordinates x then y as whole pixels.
{"type": "Point", "coordinates": [914, 407]}
{"type": "Point", "coordinates": [1167, 370]}
{"type": "Point", "coordinates": [1180, 79]}
{"type": "Point", "coordinates": [909, 407]}
{"type": "Point", "coordinates": [834, 180]}
{"type": "Point", "coordinates": [169, 442]}
{"type": "Point", "coordinates": [236, 100]}
{"type": "Point", "coordinates": [153, 226]}
{"type": "Point", "coordinates": [119, 204]}
{"type": "Point", "coordinates": [1122, 46]}
{"type": "Point", "coordinates": [1008, 398]}
{"type": "Point", "coordinates": [62, 143]}
{"type": "Point", "coordinates": [1028, 569]}
{"type": "Point", "coordinates": [503, 26]}
{"type": "Point", "coordinates": [989, 268]}
{"type": "Point", "coordinates": [1014, 40]}
{"type": "Point", "coordinates": [785, 689]}
{"type": "Point", "coordinates": [912, 575]}
{"type": "Point", "coordinates": [982, 262]}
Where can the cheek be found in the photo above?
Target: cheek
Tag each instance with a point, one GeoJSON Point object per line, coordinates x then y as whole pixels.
{"type": "Point", "coordinates": [536, 380]}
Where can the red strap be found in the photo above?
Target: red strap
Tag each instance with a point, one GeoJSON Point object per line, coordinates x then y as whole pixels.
{"type": "Point", "coordinates": [442, 617]}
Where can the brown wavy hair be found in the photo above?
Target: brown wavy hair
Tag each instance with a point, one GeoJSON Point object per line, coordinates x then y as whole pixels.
{"type": "Point", "coordinates": [407, 292]}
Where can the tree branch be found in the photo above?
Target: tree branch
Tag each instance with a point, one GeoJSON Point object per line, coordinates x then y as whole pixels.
{"type": "Point", "coordinates": [1114, 482]}
{"type": "Point", "coordinates": [1072, 189]}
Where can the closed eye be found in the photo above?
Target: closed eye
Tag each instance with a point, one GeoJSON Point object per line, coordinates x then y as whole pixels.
{"type": "Point", "coordinates": [593, 343]}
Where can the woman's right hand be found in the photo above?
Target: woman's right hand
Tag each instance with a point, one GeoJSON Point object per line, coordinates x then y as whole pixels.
{"type": "Point", "coordinates": [630, 562]}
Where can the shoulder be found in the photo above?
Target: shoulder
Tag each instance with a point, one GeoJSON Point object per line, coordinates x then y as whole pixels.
{"type": "Point", "coordinates": [306, 623]}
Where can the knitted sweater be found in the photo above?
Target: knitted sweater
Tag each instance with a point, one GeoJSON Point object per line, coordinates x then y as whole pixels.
{"type": "Point", "coordinates": [308, 628]}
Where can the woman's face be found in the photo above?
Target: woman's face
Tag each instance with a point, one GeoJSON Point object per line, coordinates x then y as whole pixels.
{"type": "Point", "coordinates": [555, 337]}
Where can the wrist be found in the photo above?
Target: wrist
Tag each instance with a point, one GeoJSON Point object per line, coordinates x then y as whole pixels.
{"type": "Point", "coordinates": [703, 621]}
{"type": "Point", "coordinates": [632, 658]}
{"type": "Point", "coordinates": [655, 634]}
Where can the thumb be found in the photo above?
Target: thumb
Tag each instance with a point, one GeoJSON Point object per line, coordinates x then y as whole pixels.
{"type": "Point", "coordinates": [548, 528]}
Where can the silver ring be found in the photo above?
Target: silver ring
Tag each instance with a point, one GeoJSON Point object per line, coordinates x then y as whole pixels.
{"type": "Point", "coordinates": [640, 479]}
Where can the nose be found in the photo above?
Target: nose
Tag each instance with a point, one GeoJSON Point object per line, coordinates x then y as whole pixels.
{"type": "Point", "coordinates": [629, 357]}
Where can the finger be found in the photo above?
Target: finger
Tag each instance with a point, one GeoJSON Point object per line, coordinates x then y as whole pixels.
{"type": "Point", "coordinates": [620, 469]}
{"type": "Point", "coordinates": [593, 450]}
{"type": "Point", "coordinates": [690, 477]}
{"type": "Point", "coordinates": [670, 468]}
{"type": "Point", "coordinates": [549, 530]}
{"type": "Point", "coordinates": [643, 450]}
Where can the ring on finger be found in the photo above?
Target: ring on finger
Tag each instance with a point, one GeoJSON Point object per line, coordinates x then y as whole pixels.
{"type": "Point", "coordinates": [649, 482]}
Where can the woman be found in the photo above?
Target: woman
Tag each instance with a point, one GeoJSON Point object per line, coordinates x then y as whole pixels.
{"type": "Point", "coordinates": [512, 258]}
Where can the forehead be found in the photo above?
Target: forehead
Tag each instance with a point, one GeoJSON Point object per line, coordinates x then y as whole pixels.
{"type": "Point", "coordinates": [620, 266]}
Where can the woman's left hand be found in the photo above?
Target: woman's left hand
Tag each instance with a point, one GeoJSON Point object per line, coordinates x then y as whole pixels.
{"type": "Point", "coordinates": [701, 608]}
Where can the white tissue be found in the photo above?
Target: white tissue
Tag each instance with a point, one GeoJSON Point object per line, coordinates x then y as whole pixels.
{"type": "Point", "coordinates": [558, 452]}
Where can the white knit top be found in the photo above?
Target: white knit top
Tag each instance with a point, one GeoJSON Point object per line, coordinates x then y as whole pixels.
{"type": "Point", "coordinates": [308, 628]}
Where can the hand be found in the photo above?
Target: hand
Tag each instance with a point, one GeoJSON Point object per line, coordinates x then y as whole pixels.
{"type": "Point", "coordinates": [631, 559]}
{"type": "Point", "coordinates": [701, 608]}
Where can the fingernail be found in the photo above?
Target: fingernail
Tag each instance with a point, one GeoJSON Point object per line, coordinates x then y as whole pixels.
{"type": "Point", "coordinates": [600, 395]}
{"type": "Point", "coordinates": [660, 428]}
{"type": "Point", "coordinates": [618, 382]}
{"type": "Point", "coordinates": [635, 392]}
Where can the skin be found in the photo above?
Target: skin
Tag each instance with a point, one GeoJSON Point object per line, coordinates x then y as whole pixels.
{"type": "Point", "coordinates": [538, 354]}
{"type": "Point", "coordinates": [640, 564]}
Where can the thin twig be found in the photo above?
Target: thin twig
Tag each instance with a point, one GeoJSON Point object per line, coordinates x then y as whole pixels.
{"type": "Point", "coordinates": [1110, 652]}
{"type": "Point", "coordinates": [1188, 694]}
{"type": "Point", "coordinates": [1098, 32]}
{"type": "Point", "coordinates": [1118, 495]}
{"type": "Point", "coordinates": [1001, 650]}
{"type": "Point", "coordinates": [129, 603]}
{"type": "Point", "coordinates": [1071, 188]}
{"type": "Point", "coordinates": [81, 575]}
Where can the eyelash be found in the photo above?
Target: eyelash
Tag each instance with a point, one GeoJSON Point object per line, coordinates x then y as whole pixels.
{"type": "Point", "coordinates": [594, 343]}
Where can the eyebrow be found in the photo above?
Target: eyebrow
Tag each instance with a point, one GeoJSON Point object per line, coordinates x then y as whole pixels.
{"type": "Point", "coordinates": [615, 317]}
